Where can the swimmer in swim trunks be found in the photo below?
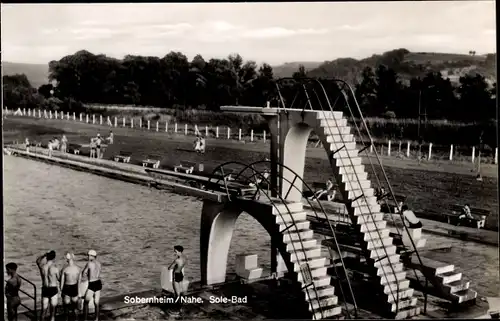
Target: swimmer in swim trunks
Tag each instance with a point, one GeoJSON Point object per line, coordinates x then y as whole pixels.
{"type": "Point", "coordinates": [50, 277]}
{"type": "Point", "coordinates": [178, 267]}
{"type": "Point", "coordinates": [93, 271]}
{"type": "Point", "coordinates": [70, 281]}
{"type": "Point", "coordinates": [98, 142]}
{"type": "Point", "coordinates": [12, 287]}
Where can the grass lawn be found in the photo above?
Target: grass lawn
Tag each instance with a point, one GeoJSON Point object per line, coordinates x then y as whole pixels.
{"type": "Point", "coordinates": [430, 187]}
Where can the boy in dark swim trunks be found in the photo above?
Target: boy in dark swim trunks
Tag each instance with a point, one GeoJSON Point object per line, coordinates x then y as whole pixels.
{"type": "Point", "coordinates": [50, 278]}
{"type": "Point", "coordinates": [93, 271]}
{"type": "Point", "coordinates": [178, 270]}
{"type": "Point", "coordinates": [70, 281]}
{"type": "Point", "coordinates": [12, 291]}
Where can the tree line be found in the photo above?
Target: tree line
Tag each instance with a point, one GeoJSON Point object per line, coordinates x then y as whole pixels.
{"type": "Point", "coordinates": [175, 82]}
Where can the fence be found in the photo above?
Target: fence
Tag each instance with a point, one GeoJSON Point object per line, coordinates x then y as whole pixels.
{"type": "Point", "coordinates": [402, 149]}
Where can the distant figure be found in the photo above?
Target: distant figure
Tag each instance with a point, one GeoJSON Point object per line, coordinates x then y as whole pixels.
{"type": "Point", "coordinates": [177, 267]}
{"type": "Point", "coordinates": [98, 142]}
{"type": "Point", "coordinates": [110, 138]}
{"type": "Point", "coordinates": [380, 194]}
{"type": "Point", "coordinates": [466, 216]}
{"type": "Point", "coordinates": [53, 145]}
{"type": "Point", "coordinates": [329, 191]}
{"type": "Point", "coordinates": [411, 218]}
{"type": "Point", "coordinates": [12, 287]}
{"type": "Point", "coordinates": [70, 280]}
{"type": "Point", "coordinates": [93, 271]}
{"type": "Point", "coordinates": [64, 144]}
{"type": "Point", "coordinates": [50, 276]}
{"type": "Point", "coordinates": [27, 143]}
{"type": "Point", "coordinates": [199, 144]}
{"type": "Point", "coordinates": [92, 148]}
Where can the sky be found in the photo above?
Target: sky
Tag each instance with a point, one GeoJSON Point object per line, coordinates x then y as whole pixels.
{"type": "Point", "coordinates": [264, 32]}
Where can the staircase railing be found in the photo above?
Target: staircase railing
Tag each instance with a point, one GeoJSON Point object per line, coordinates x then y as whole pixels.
{"type": "Point", "coordinates": [356, 198]}
{"type": "Point", "coordinates": [365, 147]}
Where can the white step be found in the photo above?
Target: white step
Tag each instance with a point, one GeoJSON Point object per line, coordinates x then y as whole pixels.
{"type": "Point", "coordinates": [444, 269]}
{"type": "Point", "coordinates": [300, 255]}
{"type": "Point", "coordinates": [397, 267]}
{"type": "Point", "coordinates": [355, 184]}
{"type": "Point", "coordinates": [367, 192]}
{"type": "Point", "coordinates": [360, 210]}
{"type": "Point", "coordinates": [329, 114]}
{"type": "Point", "coordinates": [293, 236]}
{"type": "Point", "coordinates": [330, 312]}
{"type": "Point", "coordinates": [297, 246]}
{"type": "Point", "coordinates": [332, 123]}
{"type": "Point", "coordinates": [344, 153]}
{"type": "Point", "coordinates": [374, 235]}
{"type": "Point", "coordinates": [353, 176]}
{"type": "Point", "coordinates": [373, 226]}
{"type": "Point", "coordinates": [371, 200]}
{"type": "Point", "coordinates": [350, 161]}
{"type": "Point", "coordinates": [457, 286]}
{"type": "Point", "coordinates": [379, 242]}
{"type": "Point", "coordinates": [315, 273]}
{"type": "Point", "coordinates": [391, 277]}
{"type": "Point", "coordinates": [348, 169]}
{"type": "Point", "coordinates": [312, 263]}
{"type": "Point", "coordinates": [336, 130]}
{"type": "Point", "coordinates": [339, 138]}
{"type": "Point", "coordinates": [369, 218]}
{"type": "Point", "coordinates": [407, 313]}
{"type": "Point", "coordinates": [392, 259]}
{"type": "Point", "coordinates": [410, 302]}
{"type": "Point", "coordinates": [299, 225]}
{"type": "Point", "coordinates": [289, 218]}
{"type": "Point", "coordinates": [348, 146]}
{"type": "Point", "coordinates": [381, 252]}
{"type": "Point", "coordinates": [280, 208]}
{"type": "Point", "coordinates": [403, 294]}
{"type": "Point", "coordinates": [465, 295]}
{"type": "Point", "coordinates": [322, 290]}
{"type": "Point", "coordinates": [323, 302]}
{"type": "Point", "coordinates": [403, 285]}
{"type": "Point", "coordinates": [449, 277]}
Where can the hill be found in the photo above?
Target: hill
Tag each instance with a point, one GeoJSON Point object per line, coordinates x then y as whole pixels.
{"type": "Point", "coordinates": [37, 73]}
{"type": "Point", "coordinates": [287, 69]}
{"type": "Point", "coordinates": [411, 64]}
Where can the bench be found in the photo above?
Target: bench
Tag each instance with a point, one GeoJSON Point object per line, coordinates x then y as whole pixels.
{"type": "Point", "coordinates": [75, 148]}
{"type": "Point", "coordinates": [152, 161]}
{"type": "Point", "coordinates": [479, 216]}
{"type": "Point", "coordinates": [388, 205]}
{"type": "Point", "coordinates": [185, 166]}
{"type": "Point", "coordinates": [123, 157]}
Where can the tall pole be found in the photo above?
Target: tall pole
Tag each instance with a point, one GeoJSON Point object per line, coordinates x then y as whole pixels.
{"type": "Point", "coordinates": [418, 128]}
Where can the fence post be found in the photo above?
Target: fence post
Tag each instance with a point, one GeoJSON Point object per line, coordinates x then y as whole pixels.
{"type": "Point", "coordinates": [39, 113]}
{"type": "Point", "coordinates": [157, 126]}
{"type": "Point", "coordinates": [50, 114]}
{"type": "Point", "coordinates": [389, 148]}
{"type": "Point", "coordinates": [87, 118]}
{"type": "Point", "coordinates": [228, 133]}
{"type": "Point", "coordinates": [473, 153]}
{"type": "Point", "coordinates": [149, 124]}
{"type": "Point", "coordinates": [430, 151]}
{"type": "Point", "coordinates": [100, 119]}
{"type": "Point", "coordinates": [451, 152]}
{"type": "Point", "coordinates": [131, 123]}
{"type": "Point", "coordinates": [175, 128]}
{"type": "Point", "coordinates": [93, 118]}
{"type": "Point", "coordinates": [264, 136]}
{"type": "Point", "coordinates": [140, 123]}
{"type": "Point", "coordinates": [206, 131]}
{"type": "Point", "coordinates": [371, 148]}
{"type": "Point", "coordinates": [74, 116]}
{"type": "Point", "coordinates": [239, 134]}
{"type": "Point", "coordinates": [29, 112]}
{"type": "Point", "coordinates": [408, 150]}
{"type": "Point", "coordinates": [166, 126]}
{"type": "Point", "coordinates": [251, 135]}
{"type": "Point", "coordinates": [399, 149]}
{"type": "Point", "coordinates": [67, 116]}
{"type": "Point", "coordinates": [496, 155]}
{"type": "Point", "coordinates": [185, 129]}
{"type": "Point", "coordinates": [56, 114]}
{"type": "Point", "coordinates": [217, 132]}
{"type": "Point", "coordinates": [116, 122]}
{"type": "Point", "coordinates": [124, 122]}
{"type": "Point", "coordinates": [24, 111]}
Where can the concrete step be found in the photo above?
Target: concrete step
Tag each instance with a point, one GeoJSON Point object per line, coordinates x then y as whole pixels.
{"type": "Point", "coordinates": [355, 184]}
{"type": "Point", "coordinates": [349, 161]}
{"type": "Point", "coordinates": [352, 176]}
{"type": "Point", "coordinates": [464, 296]}
{"type": "Point", "coordinates": [352, 194]}
{"type": "Point", "coordinates": [407, 313]}
{"type": "Point", "coordinates": [305, 244]}
{"type": "Point", "coordinates": [402, 294]}
{"type": "Point", "coordinates": [339, 138]}
{"type": "Point", "coordinates": [344, 152]}
{"type": "Point", "coordinates": [393, 287]}
{"type": "Point", "coordinates": [320, 272]}
{"type": "Point", "coordinates": [349, 169]}
{"type": "Point", "coordinates": [331, 123]}
{"type": "Point", "coordinates": [392, 278]}
{"type": "Point", "coordinates": [299, 225]}
{"type": "Point", "coordinates": [456, 286]}
{"type": "Point", "coordinates": [313, 263]}
{"type": "Point", "coordinates": [336, 130]}
{"type": "Point", "coordinates": [323, 302]}
{"type": "Point", "coordinates": [369, 226]}
{"type": "Point", "coordinates": [293, 236]}
{"type": "Point", "coordinates": [403, 304]}
{"type": "Point", "coordinates": [288, 218]}
{"type": "Point", "coordinates": [381, 252]}
{"type": "Point", "coordinates": [430, 267]}
{"type": "Point", "coordinates": [329, 115]}
{"type": "Point", "coordinates": [281, 208]}
{"type": "Point", "coordinates": [326, 290]}
{"type": "Point", "coordinates": [449, 277]}
{"type": "Point", "coordinates": [369, 218]}
{"type": "Point", "coordinates": [387, 260]}
{"type": "Point", "coordinates": [365, 201]}
{"type": "Point", "coordinates": [376, 235]}
{"type": "Point", "coordinates": [301, 255]}
{"type": "Point", "coordinates": [327, 313]}
{"type": "Point", "coordinates": [349, 146]}
{"type": "Point", "coordinates": [375, 243]}
{"type": "Point", "coordinates": [396, 267]}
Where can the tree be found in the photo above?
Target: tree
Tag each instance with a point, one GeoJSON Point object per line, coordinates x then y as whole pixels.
{"type": "Point", "coordinates": [301, 73]}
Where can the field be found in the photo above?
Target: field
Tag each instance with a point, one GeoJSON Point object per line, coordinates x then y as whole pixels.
{"type": "Point", "coordinates": [430, 186]}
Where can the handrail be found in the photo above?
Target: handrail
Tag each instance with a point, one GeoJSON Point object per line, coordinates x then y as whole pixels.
{"type": "Point", "coordinates": [391, 191]}
{"type": "Point", "coordinates": [316, 214]}
{"type": "Point", "coordinates": [34, 310]}
{"type": "Point", "coordinates": [396, 298]}
{"type": "Point", "coordinates": [293, 246]}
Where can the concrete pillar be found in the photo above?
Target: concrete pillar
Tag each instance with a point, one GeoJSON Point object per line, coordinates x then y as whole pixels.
{"type": "Point", "coordinates": [239, 134]}
{"type": "Point", "coordinates": [389, 148]}
{"type": "Point", "coordinates": [175, 128]}
{"type": "Point", "coordinates": [217, 132]}
{"type": "Point", "coordinates": [251, 135]}
{"type": "Point", "coordinates": [206, 131]}
{"type": "Point", "coordinates": [149, 124]}
{"type": "Point", "coordinates": [408, 149]}
{"type": "Point", "coordinates": [473, 153]}
{"type": "Point", "coordinates": [228, 133]}
{"type": "Point", "coordinates": [430, 151]}
{"type": "Point", "coordinates": [451, 152]}
{"type": "Point", "coordinates": [185, 129]}
{"type": "Point", "coordinates": [157, 126]}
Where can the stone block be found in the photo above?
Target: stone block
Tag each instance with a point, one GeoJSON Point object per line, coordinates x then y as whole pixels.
{"type": "Point", "coordinates": [250, 274]}
{"type": "Point", "coordinates": [246, 262]}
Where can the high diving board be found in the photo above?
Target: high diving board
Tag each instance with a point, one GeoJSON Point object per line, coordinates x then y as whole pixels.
{"type": "Point", "coordinates": [250, 109]}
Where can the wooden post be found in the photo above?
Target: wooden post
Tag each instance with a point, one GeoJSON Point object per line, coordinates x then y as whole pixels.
{"type": "Point", "coordinates": [149, 124]}
{"type": "Point", "coordinates": [50, 114]}
{"type": "Point", "coordinates": [100, 119]}
{"type": "Point", "coordinates": [451, 152]}
{"type": "Point", "coordinates": [81, 117]}
{"type": "Point", "coordinates": [166, 126]}
{"type": "Point", "coordinates": [206, 131]}
{"type": "Point", "coordinates": [39, 113]}
{"type": "Point", "coordinates": [67, 115]}
{"type": "Point", "coordinates": [87, 118]}
{"type": "Point", "coordinates": [473, 153]}
{"type": "Point", "coordinates": [29, 112]}
{"type": "Point", "coordinates": [408, 149]}
{"type": "Point", "coordinates": [264, 136]}
{"type": "Point", "coordinates": [239, 134]}
{"type": "Point", "coordinates": [496, 155]}
{"type": "Point", "coordinates": [371, 148]}
{"type": "Point", "coordinates": [157, 126]}
{"type": "Point", "coordinates": [228, 133]}
{"type": "Point", "coordinates": [74, 116]}
{"type": "Point", "coordinates": [56, 115]}
{"type": "Point", "coordinates": [116, 122]}
{"type": "Point", "coordinates": [399, 149]}
{"type": "Point", "coordinates": [124, 122]}
{"type": "Point", "coordinates": [185, 129]}
{"type": "Point", "coordinates": [93, 118]}
{"type": "Point", "coordinates": [24, 111]}
{"type": "Point", "coordinates": [430, 152]}
{"type": "Point", "coordinates": [131, 123]}
{"type": "Point", "coordinates": [140, 123]}
{"type": "Point", "coordinates": [251, 135]}
{"type": "Point", "coordinates": [389, 148]}
{"type": "Point", "coordinates": [175, 128]}
{"type": "Point", "coordinates": [217, 132]}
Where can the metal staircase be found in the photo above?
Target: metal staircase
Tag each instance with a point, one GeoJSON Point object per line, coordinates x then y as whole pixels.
{"type": "Point", "coordinates": [364, 211]}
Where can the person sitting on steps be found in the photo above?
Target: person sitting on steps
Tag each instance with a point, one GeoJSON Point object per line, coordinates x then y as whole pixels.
{"type": "Point", "coordinates": [466, 216]}
{"type": "Point", "coordinates": [329, 191]}
{"type": "Point", "coordinates": [410, 217]}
